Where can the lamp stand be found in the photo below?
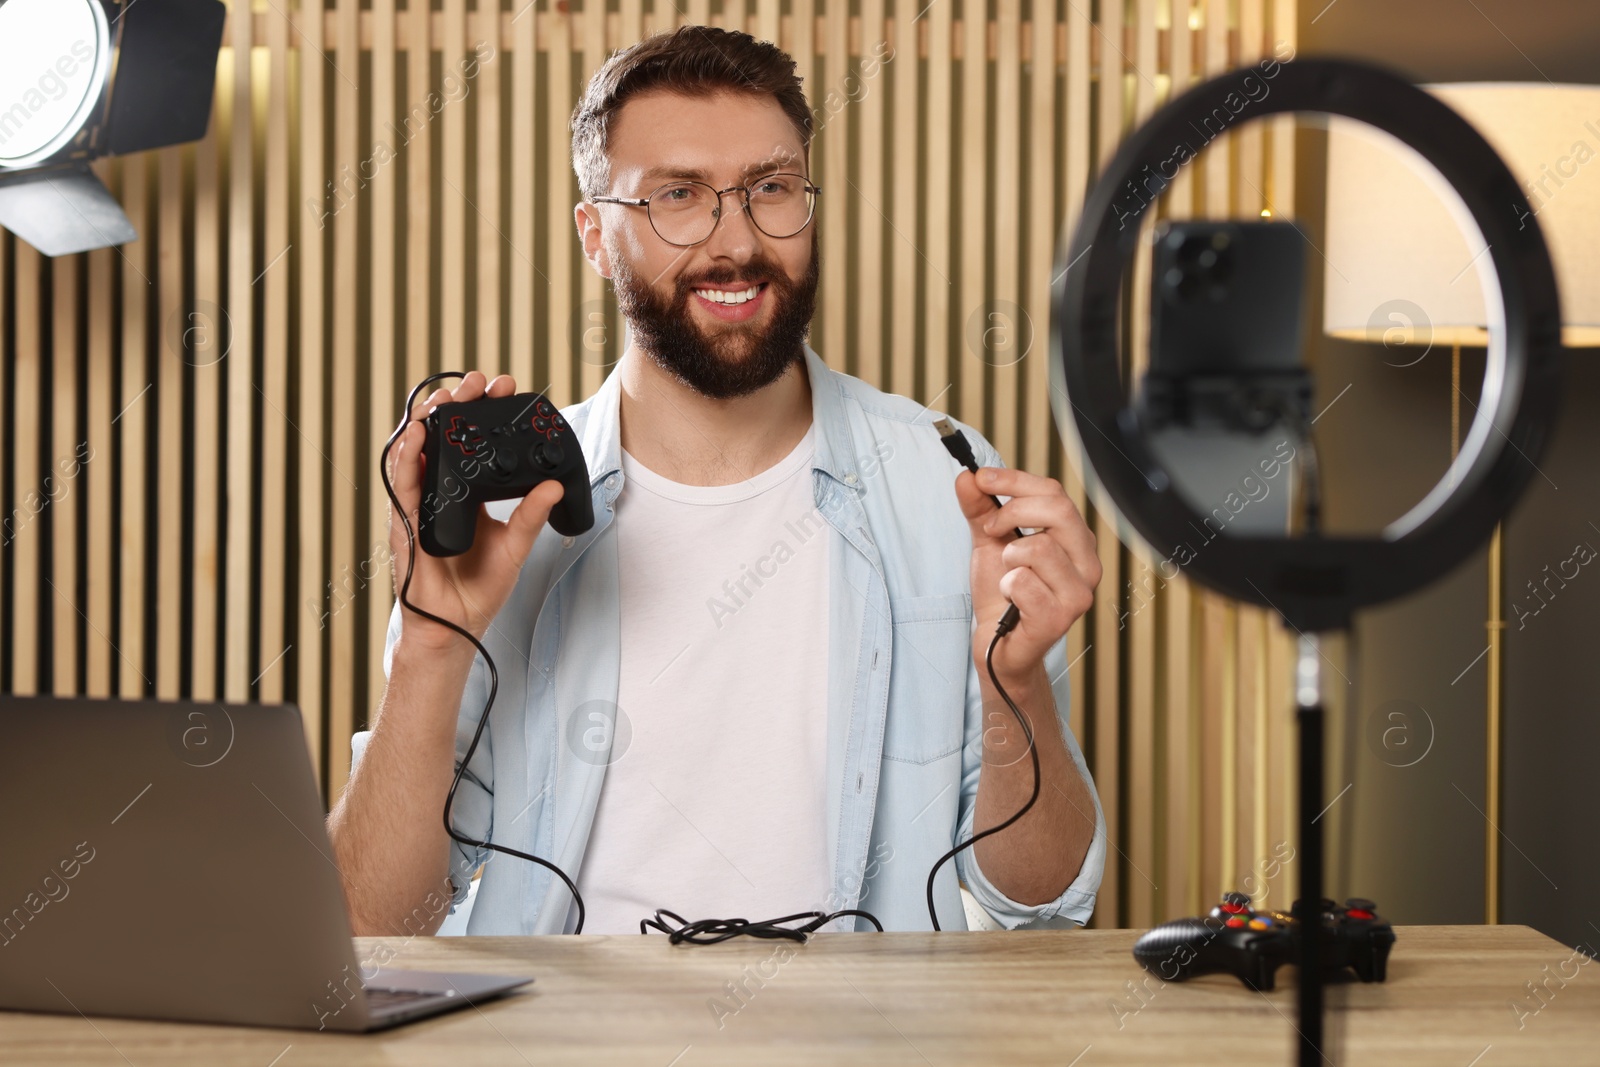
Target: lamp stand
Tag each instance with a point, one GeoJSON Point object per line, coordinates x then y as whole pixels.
{"type": "Point", "coordinates": [1495, 626]}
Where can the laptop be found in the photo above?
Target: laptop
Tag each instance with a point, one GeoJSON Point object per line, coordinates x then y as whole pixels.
{"type": "Point", "coordinates": [166, 860]}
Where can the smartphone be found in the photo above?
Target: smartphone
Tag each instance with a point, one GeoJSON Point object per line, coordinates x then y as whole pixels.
{"type": "Point", "coordinates": [1226, 305]}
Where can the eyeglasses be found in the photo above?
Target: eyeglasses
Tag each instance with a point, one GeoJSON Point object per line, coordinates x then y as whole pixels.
{"type": "Point", "coordinates": [686, 213]}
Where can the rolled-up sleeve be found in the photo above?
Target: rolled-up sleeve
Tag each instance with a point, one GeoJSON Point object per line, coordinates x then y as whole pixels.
{"type": "Point", "coordinates": [1076, 903]}
{"type": "Point", "coordinates": [472, 811]}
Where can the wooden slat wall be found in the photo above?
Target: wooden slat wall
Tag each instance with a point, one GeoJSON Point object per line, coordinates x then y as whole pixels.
{"type": "Point", "coordinates": [1107, 728]}
{"type": "Point", "coordinates": [201, 349]}
{"type": "Point", "coordinates": [343, 409]}
{"type": "Point", "coordinates": [341, 233]}
{"type": "Point", "coordinates": [63, 401]}
{"type": "Point", "coordinates": [134, 403]}
{"type": "Point", "coordinates": [174, 323]}
{"type": "Point", "coordinates": [1177, 760]}
{"type": "Point", "coordinates": [27, 490]}
{"type": "Point", "coordinates": [242, 516]}
{"type": "Point", "coordinates": [100, 376]}
{"type": "Point", "coordinates": [309, 444]}
{"type": "Point", "coordinates": [271, 667]}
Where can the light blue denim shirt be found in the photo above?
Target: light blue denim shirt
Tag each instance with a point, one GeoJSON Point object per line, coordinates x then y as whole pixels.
{"type": "Point", "coordinates": [905, 731]}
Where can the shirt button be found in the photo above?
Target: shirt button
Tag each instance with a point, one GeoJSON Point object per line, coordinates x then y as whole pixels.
{"type": "Point", "coordinates": [850, 479]}
{"type": "Point", "coordinates": [566, 542]}
{"type": "Point", "coordinates": [611, 482]}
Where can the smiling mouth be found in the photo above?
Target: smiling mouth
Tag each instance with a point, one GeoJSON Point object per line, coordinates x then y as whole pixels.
{"type": "Point", "coordinates": [728, 296]}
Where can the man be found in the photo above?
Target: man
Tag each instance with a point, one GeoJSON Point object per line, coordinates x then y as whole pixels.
{"type": "Point", "coordinates": [754, 688]}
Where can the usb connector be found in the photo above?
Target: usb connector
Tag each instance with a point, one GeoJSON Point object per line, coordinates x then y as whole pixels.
{"type": "Point", "coordinates": [958, 446]}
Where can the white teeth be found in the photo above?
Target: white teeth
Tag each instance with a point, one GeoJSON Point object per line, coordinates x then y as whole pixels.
{"type": "Point", "coordinates": [721, 297]}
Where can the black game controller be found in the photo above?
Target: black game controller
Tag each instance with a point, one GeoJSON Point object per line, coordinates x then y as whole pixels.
{"type": "Point", "coordinates": [497, 448]}
{"type": "Point", "coordinates": [1237, 939]}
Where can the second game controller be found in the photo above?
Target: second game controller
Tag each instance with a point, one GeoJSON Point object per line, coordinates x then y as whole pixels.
{"type": "Point", "coordinates": [1236, 939]}
{"type": "Point", "coordinates": [497, 448]}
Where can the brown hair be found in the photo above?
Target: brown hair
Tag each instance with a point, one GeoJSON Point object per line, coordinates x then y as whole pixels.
{"type": "Point", "coordinates": [694, 61]}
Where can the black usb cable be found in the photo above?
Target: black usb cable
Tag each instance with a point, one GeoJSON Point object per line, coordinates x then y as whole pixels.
{"type": "Point", "coordinates": [705, 931]}
{"type": "Point", "coordinates": [711, 931]}
{"type": "Point", "coordinates": [956, 442]}
{"type": "Point", "coordinates": [494, 674]}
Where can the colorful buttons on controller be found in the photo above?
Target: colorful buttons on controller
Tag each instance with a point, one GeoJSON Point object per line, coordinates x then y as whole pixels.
{"type": "Point", "coordinates": [1261, 922]}
{"type": "Point", "coordinates": [1235, 909]}
{"type": "Point", "coordinates": [547, 420]}
{"type": "Point", "coordinates": [1237, 922]}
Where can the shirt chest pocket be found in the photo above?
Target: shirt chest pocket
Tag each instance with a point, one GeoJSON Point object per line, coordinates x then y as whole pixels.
{"type": "Point", "coordinates": [931, 658]}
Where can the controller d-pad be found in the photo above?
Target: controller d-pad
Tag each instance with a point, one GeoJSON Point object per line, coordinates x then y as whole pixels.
{"type": "Point", "coordinates": [464, 435]}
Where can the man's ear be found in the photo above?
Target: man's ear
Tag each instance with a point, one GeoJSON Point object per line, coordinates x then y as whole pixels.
{"type": "Point", "coordinates": [587, 218]}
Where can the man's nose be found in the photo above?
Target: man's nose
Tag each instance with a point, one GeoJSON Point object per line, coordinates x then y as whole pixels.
{"type": "Point", "coordinates": [735, 236]}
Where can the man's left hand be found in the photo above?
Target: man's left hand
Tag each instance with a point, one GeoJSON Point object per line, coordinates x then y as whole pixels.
{"type": "Point", "coordinates": [1050, 574]}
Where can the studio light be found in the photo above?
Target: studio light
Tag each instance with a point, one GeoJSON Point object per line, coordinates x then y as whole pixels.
{"type": "Point", "coordinates": [84, 79]}
{"type": "Point", "coordinates": [51, 100]}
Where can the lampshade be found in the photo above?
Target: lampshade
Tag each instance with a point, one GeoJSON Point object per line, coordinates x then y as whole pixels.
{"type": "Point", "coordinates": [1399, 264]}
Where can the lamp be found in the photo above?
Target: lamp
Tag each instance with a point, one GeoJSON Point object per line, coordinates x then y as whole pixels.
{"type": "Point", "coordinates": [1395, 240]}
{"type": "Point", "coordinates": [1401, 275]}
{"type": "Point", "coordinates": [85, 79]}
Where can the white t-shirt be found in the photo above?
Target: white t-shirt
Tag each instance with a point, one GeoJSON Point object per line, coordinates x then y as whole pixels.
{"type": "Point", "coordinates": [714, 803]}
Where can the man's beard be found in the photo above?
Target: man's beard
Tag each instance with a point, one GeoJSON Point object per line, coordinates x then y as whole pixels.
{"type": "Point", "coordinates": [739, 358]}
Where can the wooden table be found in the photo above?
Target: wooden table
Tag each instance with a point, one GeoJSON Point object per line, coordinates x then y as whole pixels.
{"type": "Point", "coordinates": [915, 999]}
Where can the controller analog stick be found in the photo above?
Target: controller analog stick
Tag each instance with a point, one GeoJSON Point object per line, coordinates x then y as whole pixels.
{"type": "Point", "coordinates": [548, 454]}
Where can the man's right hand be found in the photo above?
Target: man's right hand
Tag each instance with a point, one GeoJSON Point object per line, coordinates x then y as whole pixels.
{"type": "Point", "coordinates": [468, 589]}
